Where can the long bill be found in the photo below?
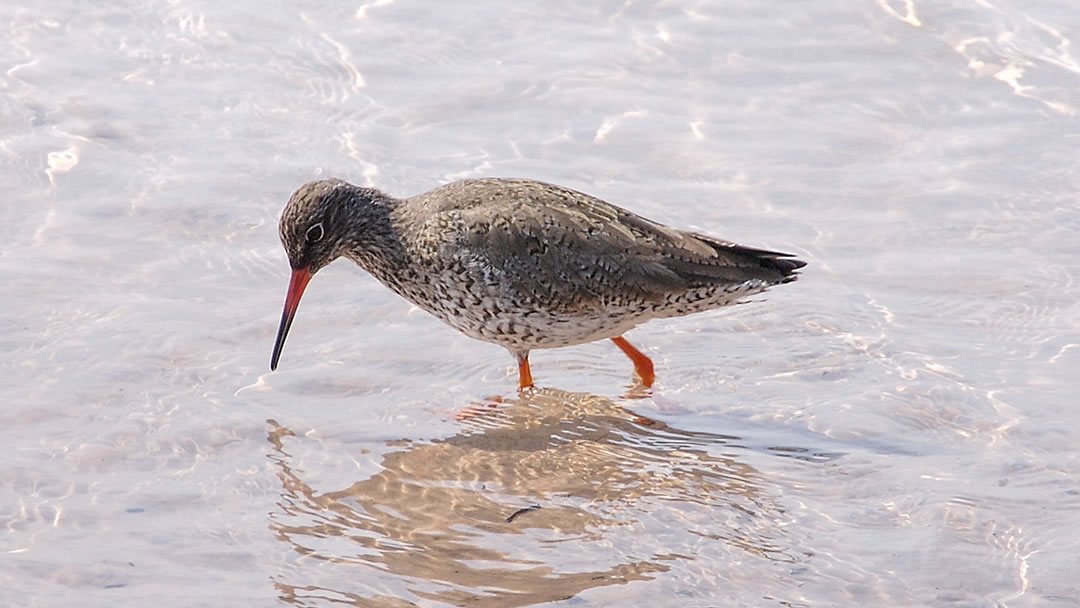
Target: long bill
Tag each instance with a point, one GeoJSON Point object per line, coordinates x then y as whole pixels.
{"type": "Point", "coordinates": [297, 283]}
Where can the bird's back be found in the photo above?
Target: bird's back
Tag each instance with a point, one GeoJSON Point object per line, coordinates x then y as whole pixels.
{"type": "Point", "coordinates": [544, 230]}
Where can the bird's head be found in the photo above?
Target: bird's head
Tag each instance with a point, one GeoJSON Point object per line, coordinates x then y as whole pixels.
{"type": "Point", "coordinates": [314, 224]}
{"type": "Point", "coordinates": [322, 221]}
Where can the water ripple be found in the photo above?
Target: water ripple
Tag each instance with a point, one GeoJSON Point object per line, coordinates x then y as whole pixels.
{"type": "Point", "coordinates": [594, 475]}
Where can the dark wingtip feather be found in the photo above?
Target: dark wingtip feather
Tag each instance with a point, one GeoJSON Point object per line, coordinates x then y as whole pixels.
{"type": "Point", "coordinates": [785, 264]}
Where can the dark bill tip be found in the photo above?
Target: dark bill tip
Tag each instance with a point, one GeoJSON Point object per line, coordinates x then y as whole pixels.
{"type": "Point", "coordinates": [297, 283]}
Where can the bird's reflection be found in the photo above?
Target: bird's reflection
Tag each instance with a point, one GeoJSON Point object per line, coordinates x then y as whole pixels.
{"type": "Point", "coordinates": [537, 499]}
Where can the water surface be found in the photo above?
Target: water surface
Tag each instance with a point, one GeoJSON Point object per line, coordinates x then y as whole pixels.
{"type": "Point", "coordinates": [897, 428]}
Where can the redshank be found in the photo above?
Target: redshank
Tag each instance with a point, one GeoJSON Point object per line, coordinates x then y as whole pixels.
{"type": "Point", "coordinates": [520, 263]}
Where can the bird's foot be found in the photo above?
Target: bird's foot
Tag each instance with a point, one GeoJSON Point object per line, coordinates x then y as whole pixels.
{"type": "Point", "coordinates": [638, 389]}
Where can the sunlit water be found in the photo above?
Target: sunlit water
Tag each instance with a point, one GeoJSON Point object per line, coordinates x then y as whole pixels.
{"type": "Point", "coordinates": [897, 428]}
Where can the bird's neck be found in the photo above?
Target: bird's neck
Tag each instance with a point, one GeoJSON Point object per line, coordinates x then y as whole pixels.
{"type": "Point", "coordinates": [374, 240]}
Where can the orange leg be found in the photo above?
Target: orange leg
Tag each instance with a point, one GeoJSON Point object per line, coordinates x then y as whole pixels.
{"type": "Point", "coordinates": [642, 364]}
{"type": "Point", "coordinates": [524, 374]}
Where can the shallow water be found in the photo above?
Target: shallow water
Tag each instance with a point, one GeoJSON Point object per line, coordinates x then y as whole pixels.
{"type": "Point", "coordinates": [897, 428]}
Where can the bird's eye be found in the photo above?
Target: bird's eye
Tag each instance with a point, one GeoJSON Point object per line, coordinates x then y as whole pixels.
{"type": "Point", "coordinates": [315, 233]}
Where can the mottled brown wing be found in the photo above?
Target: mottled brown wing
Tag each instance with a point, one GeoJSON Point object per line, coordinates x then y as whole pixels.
{"type": "Point", "coordinates": [560, 244]}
